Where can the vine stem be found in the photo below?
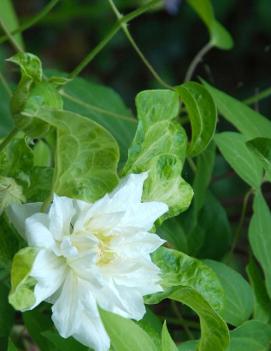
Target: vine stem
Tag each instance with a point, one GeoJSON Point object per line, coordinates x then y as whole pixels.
{"type": "Point", "coordinates": [241, 221]}
{"type": "Point", "coordinates": [256, 98]}
{"type": "Point", "coordinates": [35, 19]}
{"type": "Point", "coordinates": [10, 37]}
{"type": "Point", "coordinates": [8, 138]}
{"type": "Point", "coordinates": [125, 19]}
{"type": "Point", "coordinates": [196, 60]}
{"type": "Point", "coordinates": [5, 85]}
{"type": "Point", "coordinates": [136, 48]}
{"type": "Point", "coordinates": [192, 164]}
{"type": "Point", "coordinates": [182, 320]}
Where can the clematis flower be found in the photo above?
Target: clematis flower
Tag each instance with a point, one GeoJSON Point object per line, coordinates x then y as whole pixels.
{"type": "Point", "coordinates": [93, 255]}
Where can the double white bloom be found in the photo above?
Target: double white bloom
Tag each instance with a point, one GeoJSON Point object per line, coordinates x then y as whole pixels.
{"type": "Point", "coordinates": [93, 255]}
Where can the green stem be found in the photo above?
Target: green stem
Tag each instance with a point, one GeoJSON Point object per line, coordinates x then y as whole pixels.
{"type": "Point", "coordinates": [5, 85]}
{"type": "Point", "coordinates": [197, 59]}
{"type": "Point", "coordinates": [241, 221]}
{"type": "Point", "coordinates": [192, 164]}
{"type": "Point", "coordinates": [32, 21]}
{"type": "Point", "coordinates": [109, 36]}
{"type": "Point", "coordinates": [136, 48]}
{"type": "Point", "coordinates": [8, 139]}
{"type": "Point", "coordinates": [182, 320]}
{"type": "Point", "coordinates": [256, 98]}
{"type": "Point", "coordinates": [10, 37]}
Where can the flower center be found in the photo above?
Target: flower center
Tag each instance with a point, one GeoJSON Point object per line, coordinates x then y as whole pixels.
{"type": "Point", "coordinates": [95, 246]}
{"type": "Point", "coordinates": [105, 253]}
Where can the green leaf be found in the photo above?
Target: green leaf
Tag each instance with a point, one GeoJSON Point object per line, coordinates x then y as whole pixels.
{"type": "Point", "coordinates": [249, 122]}
{"type": "Point", "coordinates": [87, 156]}
{"type": "Point", "coordinates": [238, 305]}
{"type": "Point", "coordinates": [214, 331]}
{"type": "Point", "coordinates": [30, 65]}
{"type": "Point", "coordinates": [6, 118]}
{"type": "Point", "coordinates": [172, 231]}
{"type": "Point", "coordinates": [215, 231]}
{"type": "Point", "coordinates": [262, 148]}
{"type": "Point", "coordinates": [167, 342]}
{"type": "Point", "coordinates": [241, 159]}
{"type": "Point", "coordinates": [178, 269]}
{"type": "Point", "coordinates": [10, 193]}
{"type": "Point", "coordinates": [205, 166]}
{"type": "Point", "coordinates": [202, 113]}
{"type": "Point", "coordinates": [61, 344]}
{"type": "Point", "coordinates": [152, 325]}
{"type": "Point", "coordinates": [104, 106]}
{"type": "Point", "coordinates": [11, 346]}
{"type": "Point", "coordinates": [41, 182]}
{"type": "Point", "coordinates": [251, 336]}
{"type": "Point", "coordinates": [7, 315]}
{"type": "Point", "coordinates": [33, 92]}
{"type": "Point", "coordinates": [125, 335]}
{"type": "Point", "coordinates": [262, 303]}
{"type": "Point", "coordinates": [22, 296]}
{"type": "Point", "coordinates": [188, 346]}
{"type": "Point", "coordinates": [159, 147]}
{"type": "Point", "coordinates": [219, 36]}
{"type": "Point", "coordinates": [9, 244]}
{"type": "Point", "coordinates": [9, 18]}
{"type": "Point", "coordinates": [19, 162]}
{"type": "Point", "coordinates": [37, 323]}
{"type": "Point", "coordinates": [204, 169]}
{"type": "Point", "coordinates": [191, 282]}
{"type": "Point", "coordinates": [260, 236]}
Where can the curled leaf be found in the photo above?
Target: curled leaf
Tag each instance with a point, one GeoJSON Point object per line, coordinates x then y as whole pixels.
{"type": "Point", "coordinates": [159, 147]}
{"type": "Point", "coordinates": [202, 113]}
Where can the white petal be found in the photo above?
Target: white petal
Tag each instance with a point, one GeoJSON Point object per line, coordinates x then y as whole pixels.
{"type": "Point", "coordinates": [49, 272]}
{"type": "Point", "coordinates": [140, 274]}
{"type": "Point", "coordinates": [129, 191]}
{"type": "Point", "coordinates": [143, 276]}
{"type": "Point", "coordinates": [137, 244]}
{"type": "Point", "coordinates": [60, 214]}
{"type": "Point", "coordinates": [91, 331]}
{"type": "Point", "coordinates": [17, 215]}
{"type": "Point", "coordinates": [124, 301]}
{"type": "Point", "coordinates": [89, 212]}
{"type": "Point", "coordinates": [127, 194]}
{"type": "Point", "coordinates": [75, 314]}
{"type": "Point", "coordinates": [143, 215]}
{"type": "Point", "coordinates": [105, 222]}
{"type": "Point", "coordinates": [66, 308]}
{"type": "Point", "coordinates": [37, 233]}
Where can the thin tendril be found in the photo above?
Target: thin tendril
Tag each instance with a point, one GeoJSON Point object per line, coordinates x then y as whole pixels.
{"type": "Point", "coordinates": [32, 21]}
{"type": "Point", "coordinates": [182, 320]}
{"type": "Point", "coordinates": [256, 98]}
{"type": "Point", "coordinates": [5, 85]}
{"type": "Point", "coordinates": [197, 59]}
{"type": "Point", "coordinates": [125, 19]}
{"type": "Point", "coordinates": [10, 37]}
{"type": "Point", "coordinates": [136, 48]}
{"type": "Point", "coordinates": [241, 222]}
{"type": "Point", "coordinates": [8, 139]}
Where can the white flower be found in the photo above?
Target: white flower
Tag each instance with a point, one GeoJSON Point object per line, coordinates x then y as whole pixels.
{"type": "Point", "coordinates": [93, 255]}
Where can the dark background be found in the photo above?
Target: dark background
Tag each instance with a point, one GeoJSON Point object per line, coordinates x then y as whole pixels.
{"type": "Point", "coordinates": [168, 41]}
